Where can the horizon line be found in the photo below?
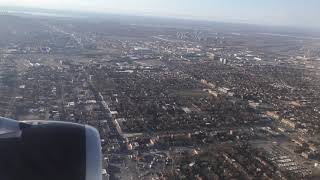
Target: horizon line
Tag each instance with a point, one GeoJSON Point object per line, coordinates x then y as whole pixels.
{"type": "Point", "coordinates": [149, 15]}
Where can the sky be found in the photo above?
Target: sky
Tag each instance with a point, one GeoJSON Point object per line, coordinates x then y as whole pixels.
{"type": "Point", "coordinates": [299, 13]}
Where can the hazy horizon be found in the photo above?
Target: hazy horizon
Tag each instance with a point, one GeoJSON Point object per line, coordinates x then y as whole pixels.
{"type": "Point", "coordinates": [272, 12]}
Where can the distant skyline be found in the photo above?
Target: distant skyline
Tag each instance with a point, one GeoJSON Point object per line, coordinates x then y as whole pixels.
{"type": "Point", "coordinates": [297, 13]}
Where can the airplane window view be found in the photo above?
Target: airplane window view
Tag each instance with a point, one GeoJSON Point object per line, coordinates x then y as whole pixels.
{"type": "Point", "coordinates": [159, 89]}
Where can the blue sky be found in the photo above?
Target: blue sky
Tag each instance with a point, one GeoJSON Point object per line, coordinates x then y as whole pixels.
{"type": "Point", "coordinates": [303, 13]}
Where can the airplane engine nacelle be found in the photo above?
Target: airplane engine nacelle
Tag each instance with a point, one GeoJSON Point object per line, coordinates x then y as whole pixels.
{"type": "Point", "coordinates": [46, 150]}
